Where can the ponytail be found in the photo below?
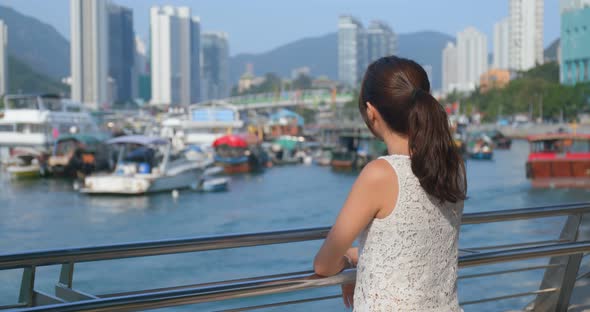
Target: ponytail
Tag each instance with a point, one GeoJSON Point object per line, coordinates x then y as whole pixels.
{"type": "Point", "coordinates": [436, 162]}
{"type": "Point", "coordinates": [400, 91]}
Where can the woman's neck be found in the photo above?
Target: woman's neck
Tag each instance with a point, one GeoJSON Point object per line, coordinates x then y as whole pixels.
{"type": "Point", "coordinates": [396, 144]}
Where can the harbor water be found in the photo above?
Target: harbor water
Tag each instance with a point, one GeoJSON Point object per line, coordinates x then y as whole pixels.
{"type": "Point", "coordinates": [47, 213]}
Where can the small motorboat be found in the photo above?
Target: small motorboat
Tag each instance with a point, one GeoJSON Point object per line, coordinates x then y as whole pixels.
{"type": "Point", "coordinates": [218, 184]}
{"type": "Point", "coordinates": [79, 155]}
{"type": "Point", "coordinates": [481, 148]}
{"type": "Point", "coordinates": [323, 157]}
{"type": "Point", "coordinates": [500, 140]}
{"type": "Point", "coordinates": [147, 165]}
{"type": "Point", "coordinates": [25, 163]}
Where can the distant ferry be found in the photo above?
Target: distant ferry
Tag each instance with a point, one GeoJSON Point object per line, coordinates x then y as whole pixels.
{"type": "Point", "coordinates": [559, 160]}
{"type": "Point", "coordinates": [36, 121]}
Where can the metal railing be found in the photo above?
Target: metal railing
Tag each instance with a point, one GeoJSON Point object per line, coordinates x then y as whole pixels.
{"type": "Point", "coordinates": [565, 254]}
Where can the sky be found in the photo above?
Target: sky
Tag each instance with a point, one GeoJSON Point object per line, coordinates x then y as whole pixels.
{"type": "Point", "coordinates": [256, 26]}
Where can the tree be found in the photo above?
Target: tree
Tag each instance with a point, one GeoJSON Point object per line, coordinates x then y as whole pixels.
{"type": "Point", "coordinates": [536, 91]}
{"type": "Point", "coordinates": [302, 82]}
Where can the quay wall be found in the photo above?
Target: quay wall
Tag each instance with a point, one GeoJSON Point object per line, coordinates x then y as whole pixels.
{"type": "Point", "coordinates": [522, 132]}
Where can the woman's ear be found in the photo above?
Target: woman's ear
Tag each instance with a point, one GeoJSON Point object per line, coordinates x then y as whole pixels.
{"type": "Point", "coordinates": [371, 112]}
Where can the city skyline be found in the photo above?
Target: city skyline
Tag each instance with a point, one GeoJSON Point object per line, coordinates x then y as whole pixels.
{"type": "Point", "coordinates": [459, 15]}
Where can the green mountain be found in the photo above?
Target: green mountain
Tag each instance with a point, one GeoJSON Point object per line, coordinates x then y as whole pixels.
{"type": "Point", "coordinates": [23, 79]}
{"type": "Point", "coordinates": [37, 44]}
{"type": "Point", "coordinates": [320, 54]}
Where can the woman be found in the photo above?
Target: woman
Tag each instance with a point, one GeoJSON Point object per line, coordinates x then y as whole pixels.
{"type": "Point", "coordinates": [407, 206]}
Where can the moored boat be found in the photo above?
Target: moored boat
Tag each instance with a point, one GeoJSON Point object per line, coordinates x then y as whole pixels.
{"type": "Point", "coordinates": [500, 140]}
{"type": "Point", "coordinates": [481, 147]}
{"type": "Point", "coordinates": [25, 163]}
{"type": "Point", "coordinates": [78, 155]}
{"type": "Point", "coordinates": [356, 149]}
{"type": "Point", "coordinates": [35, 121]}
{"type": "Point", "coordinates": [147, 165]}
{"type": "Point", "coordinates": [239, 154]}
{"type": "Point", "coordinates": [559, 160]}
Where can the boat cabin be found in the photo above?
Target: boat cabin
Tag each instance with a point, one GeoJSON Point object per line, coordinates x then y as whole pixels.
{"type": "Point", "coordinates": [559, 160]}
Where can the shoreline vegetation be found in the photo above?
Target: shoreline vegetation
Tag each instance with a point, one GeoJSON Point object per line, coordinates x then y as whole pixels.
{"type": "Point", "coordinates": [536, 92]}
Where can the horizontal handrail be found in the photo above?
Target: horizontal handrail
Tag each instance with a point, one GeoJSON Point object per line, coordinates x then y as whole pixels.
{"type": "Point", "coordinates": [183, 245]}
{"type": "Point", "coordinates": [286, 283]}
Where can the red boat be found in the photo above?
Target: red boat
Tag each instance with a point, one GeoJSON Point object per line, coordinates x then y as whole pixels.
{"type": "Point", "coordinates": [239, 154]}
{"type": "Point", "coordinates": [560, 160]}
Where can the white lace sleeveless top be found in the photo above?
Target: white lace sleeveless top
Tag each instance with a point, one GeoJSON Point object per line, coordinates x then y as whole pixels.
{"type": "Point", "coordinates": [408, 260]}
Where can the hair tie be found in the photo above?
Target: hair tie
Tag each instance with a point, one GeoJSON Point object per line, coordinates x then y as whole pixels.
{"type": "Point", "coordinates": [415, 94]}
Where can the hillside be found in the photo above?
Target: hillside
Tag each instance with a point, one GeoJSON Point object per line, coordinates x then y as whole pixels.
{"type": "Point", "coordinates": [320, 54]}
{"type": "Point", "coordinates": [37, 44]}
{"type": "Point", "coordinates": [23, 79]}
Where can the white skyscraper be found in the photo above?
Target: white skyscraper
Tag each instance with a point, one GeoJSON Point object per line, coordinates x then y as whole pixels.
{"type": "Point", "coordinates": [472, 58]}
{"type": "Point", "coordinates": [501, 44]}
{"type": "Point", "coordinates": [89, 52]}
{"type": "Point", "coordinates": [352, 50]}
{"type": "Point", "coordinates": [3, 58]}
{"type": "Point", "coordinates": [526, 33]}
{"type": "Point", "coordinates": [174, 55]}
{"type": "Point", "coordinates": [449, 68]}
{"type": "Point", "coordinates": [381, 41]}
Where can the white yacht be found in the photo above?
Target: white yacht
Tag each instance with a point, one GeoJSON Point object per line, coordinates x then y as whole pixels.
{"type": "Point", "coordinates": [202, 124]}
{"type": "Point", "coordinates": [37, 120]}
{"type": "Point", "coordinates": [147, 165]}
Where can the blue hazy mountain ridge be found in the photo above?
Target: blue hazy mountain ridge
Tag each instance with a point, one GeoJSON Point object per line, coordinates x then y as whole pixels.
{"type": "Point", "coordinates": [321, 56]}
{"type": "Point", "coordinates": [36, 44]}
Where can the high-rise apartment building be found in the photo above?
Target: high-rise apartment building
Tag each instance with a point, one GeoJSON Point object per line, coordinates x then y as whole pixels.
{"type": "Point", "coordinates": [352, 50]}
{"type": "Point", "coordinates": [381, 41]}
{"type": "Point", "coordinates": [501, 44]}
{"type": "Point", "coordinates": [122, 53]}
{"type": "Point", "coordinates": [575, 41]}
{"type": "Point", "coordinates": [174, 56]}
{"type": "Point", "coordinates": [89, 46]}
{"type": "Point", "coordinates": [142, 69]}
{"type": "Point", "coordinates": [472, 58]}
{"type": "Point", "coordinates": [3, 58]}
{"type": "Point", "coordinates": [526, 34]}
{"type": "Point", "coordinates": [215, 68]}
{"type": "Point", "coordinates": [449, 68]}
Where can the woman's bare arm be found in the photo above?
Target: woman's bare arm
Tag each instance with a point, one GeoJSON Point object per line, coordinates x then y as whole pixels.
{"type": "Point", "coordinates": [371, 190]}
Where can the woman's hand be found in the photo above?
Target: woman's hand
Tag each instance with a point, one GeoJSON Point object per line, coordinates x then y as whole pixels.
{"type": "Point", "coordinates": [348, 294]}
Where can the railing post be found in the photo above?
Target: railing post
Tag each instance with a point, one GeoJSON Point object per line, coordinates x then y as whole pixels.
{"type": "Point", "coordinates": [66, 275]}
{"type": "Point", "coordinates": [27, 286]}
{"type": "Point", "coordinates": [569, 281]}
{"type": "Point", "coordinates": [562, 275]}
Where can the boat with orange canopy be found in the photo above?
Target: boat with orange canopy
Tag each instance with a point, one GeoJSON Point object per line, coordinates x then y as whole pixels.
{"type": "Point", "coordinates": [559, 160]}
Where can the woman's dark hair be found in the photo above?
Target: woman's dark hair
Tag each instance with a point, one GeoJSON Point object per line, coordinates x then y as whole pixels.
{"type": "Point", "coordinates": [400, 91]}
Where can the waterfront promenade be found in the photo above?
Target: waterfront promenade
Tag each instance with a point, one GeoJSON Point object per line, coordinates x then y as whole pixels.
{"type": "Point", "coordinates": [522, 131]}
